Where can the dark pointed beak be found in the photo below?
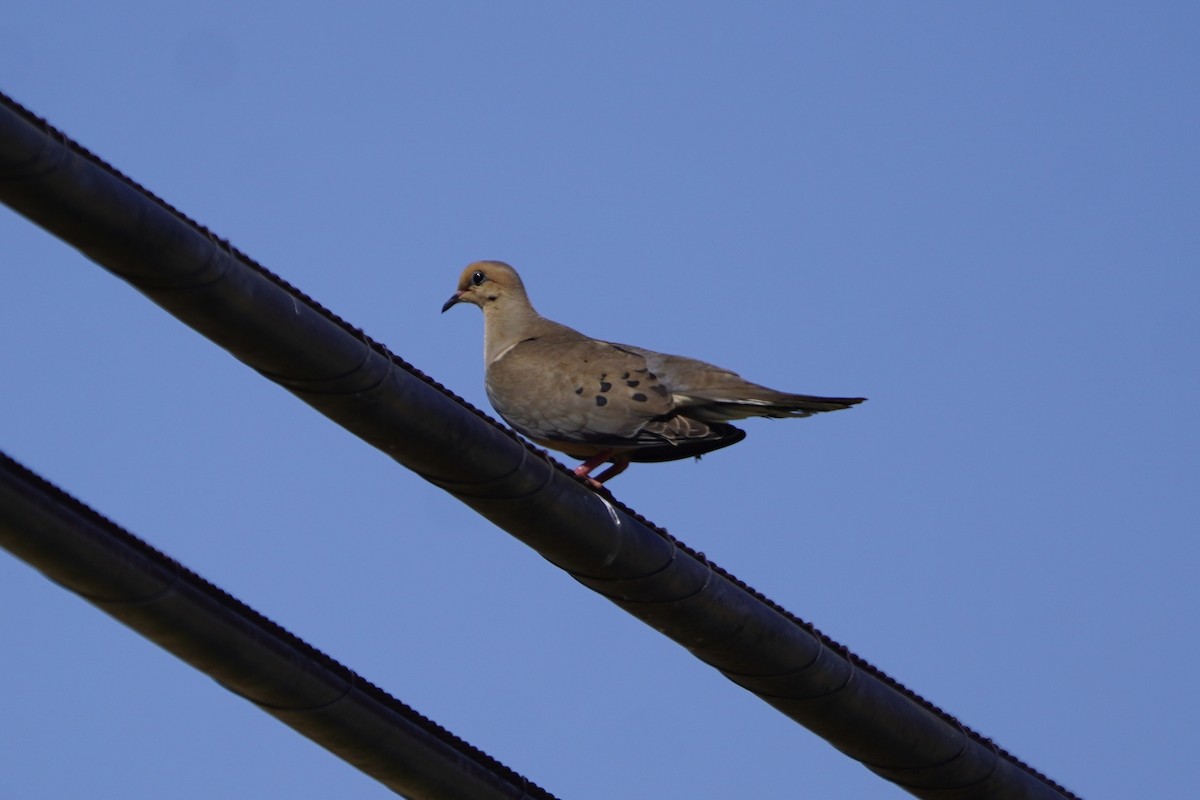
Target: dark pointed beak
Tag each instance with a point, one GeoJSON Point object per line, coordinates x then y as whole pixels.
{"type": "Point", "coordinates": [454, 298]}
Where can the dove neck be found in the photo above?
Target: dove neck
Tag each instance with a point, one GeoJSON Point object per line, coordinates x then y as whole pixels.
{"type": "Point", "coordinates": [506, 325]}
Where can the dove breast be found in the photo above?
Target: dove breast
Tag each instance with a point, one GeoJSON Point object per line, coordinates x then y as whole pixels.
{"type": "Point", "coordinates": [565, 392]}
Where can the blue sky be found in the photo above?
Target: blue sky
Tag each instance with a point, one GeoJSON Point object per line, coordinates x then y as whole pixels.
{"type": "Point", "coordinates": [982, 218]}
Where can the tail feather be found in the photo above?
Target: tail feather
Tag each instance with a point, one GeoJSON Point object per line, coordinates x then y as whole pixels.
{"type": "Point", "coordinates": [814, 404]}
{"type": "Point", "coordinates": [777, 405]}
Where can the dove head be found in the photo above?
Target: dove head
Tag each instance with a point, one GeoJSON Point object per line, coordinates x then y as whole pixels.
{"type": "Point", "coordinates": [489, 285]}
{"type": "Point", "coordinates": [508, 317]}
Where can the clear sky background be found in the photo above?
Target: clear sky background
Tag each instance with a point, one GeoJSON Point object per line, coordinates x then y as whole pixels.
{"type": "Point", "coordinates": [983, 218]}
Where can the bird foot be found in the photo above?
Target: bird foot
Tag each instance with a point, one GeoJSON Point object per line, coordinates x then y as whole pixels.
{"type": "Point", "coordinates": [584, 470]}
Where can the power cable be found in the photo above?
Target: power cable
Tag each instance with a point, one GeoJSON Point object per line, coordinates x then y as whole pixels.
{"type": "Point", "coordinates": [358, 383]}
{"type": "Point", "coordinates": [241, 649]}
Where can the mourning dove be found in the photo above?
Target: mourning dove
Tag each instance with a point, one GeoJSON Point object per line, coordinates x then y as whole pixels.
{"type": "Point", "coordinates": [598, 401]}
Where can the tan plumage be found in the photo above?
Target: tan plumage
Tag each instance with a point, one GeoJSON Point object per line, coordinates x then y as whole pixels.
{"type": "Point", "coordinates": [602, 401]}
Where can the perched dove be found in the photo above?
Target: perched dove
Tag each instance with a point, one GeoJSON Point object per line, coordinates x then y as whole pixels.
{"type": "Point", "coordinates": [599, 401]}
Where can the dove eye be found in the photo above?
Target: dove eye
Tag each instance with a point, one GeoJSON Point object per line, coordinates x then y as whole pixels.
{"type": "Point", "coordinates": [477, 278]}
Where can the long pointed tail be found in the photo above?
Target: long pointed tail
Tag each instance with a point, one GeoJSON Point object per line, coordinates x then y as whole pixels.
{"type": "Point", "coordinates": [772, 404]}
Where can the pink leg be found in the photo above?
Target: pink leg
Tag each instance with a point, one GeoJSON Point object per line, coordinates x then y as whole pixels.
{"type": "Point", "coordinates": [584, 470]}
{"type": "Point", "coordinates": [619, 465]}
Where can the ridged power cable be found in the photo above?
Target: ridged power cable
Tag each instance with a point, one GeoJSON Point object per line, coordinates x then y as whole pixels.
{"type": "Point", "coordinates": [359, 384]}
{"type": "Point", "coordinates": [242, 650]}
